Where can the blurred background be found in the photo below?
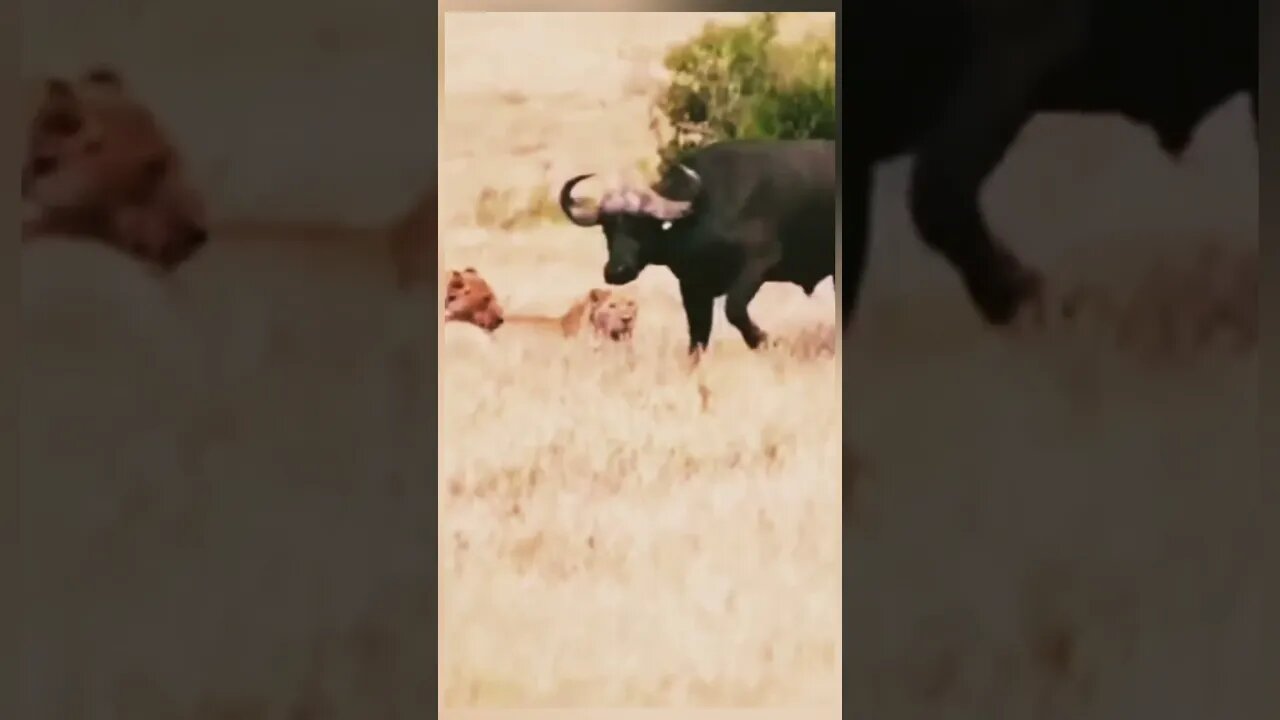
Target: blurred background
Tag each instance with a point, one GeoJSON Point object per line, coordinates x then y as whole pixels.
{"type": "Point", "coordinates": [320, 113]}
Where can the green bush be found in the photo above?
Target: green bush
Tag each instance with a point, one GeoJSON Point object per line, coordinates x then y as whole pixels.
{"type": "Point", "coordinates": [739, 81]}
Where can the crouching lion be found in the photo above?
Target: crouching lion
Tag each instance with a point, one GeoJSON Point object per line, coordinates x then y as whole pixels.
{"type": "Point", "coordinates": [606, 314]}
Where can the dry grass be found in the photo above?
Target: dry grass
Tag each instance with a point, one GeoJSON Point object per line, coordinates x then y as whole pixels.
{"type": "Point", "coordinates": [1066, 525]}
{"type": "Point", "coordinates": [1081, 538]}
{"type": "Point", "coordinates": [627, 545]}
{"type": "Point", "coordinates": [618, 530]}
{"type": "Point", "coordinates": [214, 468]}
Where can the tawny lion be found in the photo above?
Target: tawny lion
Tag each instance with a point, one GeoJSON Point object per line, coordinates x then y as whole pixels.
{"type": "Point", "coordinates": [607, 314]}
{"type": "Point", "coordinates": [468, 298]}
{"type": "Point", "coordinates": [99, 166]}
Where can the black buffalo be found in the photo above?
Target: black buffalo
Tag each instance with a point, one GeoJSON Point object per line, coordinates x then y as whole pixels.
{"type": "Point", "coordinates": [735, 215]}
{"type": "Point", "coordinates": [952, 82]}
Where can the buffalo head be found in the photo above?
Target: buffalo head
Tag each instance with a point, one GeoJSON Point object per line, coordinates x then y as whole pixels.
{"type": "Point", "coordinates": [635, 221]}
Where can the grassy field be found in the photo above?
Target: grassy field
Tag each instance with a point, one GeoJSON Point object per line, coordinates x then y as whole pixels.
{"type": "Point", "coordinates": [616, 529]}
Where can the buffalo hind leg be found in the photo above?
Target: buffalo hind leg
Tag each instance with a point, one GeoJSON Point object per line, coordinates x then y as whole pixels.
{"type": "Point", "coordinates": [698, 306]}
{"type": "Point", "coordinates": [991, 104]}
{"type": "Point", "coordinates": [945, 186]}
{"type": "Point", "coordinates": [739, 297]}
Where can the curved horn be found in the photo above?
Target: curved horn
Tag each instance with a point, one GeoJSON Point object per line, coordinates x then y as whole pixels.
{"type": "Point", "coordinates": [571, 207]}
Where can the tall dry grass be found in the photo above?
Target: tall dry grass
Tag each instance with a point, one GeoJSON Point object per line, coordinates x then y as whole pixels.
{"type": "Point", "coordinates": [226, 481]}
{"type": "Point", "coordinates": [1058, 526]}
{"type": "Point", "coordinates": [616, 529]}
{"type": "Point", "coordinates": [215, 466]}
{"type": "Point", "coordinates": [1052, 528]}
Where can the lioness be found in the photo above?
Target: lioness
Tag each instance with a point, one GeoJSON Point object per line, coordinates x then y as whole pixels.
{"type": "Point", "coordinates": [468, 298]}
{"type": "Point", "coordinates": [609, 314]}
{"type": "Point", "coordinates": [98, 165]}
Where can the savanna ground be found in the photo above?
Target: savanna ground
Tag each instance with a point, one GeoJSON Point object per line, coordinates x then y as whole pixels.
{"type": "Point", "coordinates": [1047, 526]}
{"type": "Point", "coordinates": [615, 529]}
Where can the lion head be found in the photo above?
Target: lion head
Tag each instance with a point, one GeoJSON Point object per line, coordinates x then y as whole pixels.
{"type": "Point", "coordinates": [98, 165]}
{"type": "Point", "coordinates": [468, 298]}
{"type": "Point", "coordinates": [612, 314]}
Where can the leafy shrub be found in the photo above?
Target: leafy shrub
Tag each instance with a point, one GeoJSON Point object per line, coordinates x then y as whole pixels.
{"type": "Point", "coordinates": [739, 81]}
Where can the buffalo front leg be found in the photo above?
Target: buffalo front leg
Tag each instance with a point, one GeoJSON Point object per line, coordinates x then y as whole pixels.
{"type": "Point", "coordinates": [991, 104]}
{"type": "Point", "coordinates": [698, 304]}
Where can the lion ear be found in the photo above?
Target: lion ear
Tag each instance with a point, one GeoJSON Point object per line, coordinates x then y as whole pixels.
{"type": "Point", "coordinates": [597, 294]}
{"type": "Point", "coordinates": [455, 278]}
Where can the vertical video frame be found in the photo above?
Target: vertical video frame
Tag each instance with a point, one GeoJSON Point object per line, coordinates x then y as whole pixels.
{"type": "Point", "coordinates": [640, 408]}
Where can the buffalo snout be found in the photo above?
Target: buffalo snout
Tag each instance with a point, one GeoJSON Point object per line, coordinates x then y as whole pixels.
{"type": "Point", "coordinates": [620, 273]}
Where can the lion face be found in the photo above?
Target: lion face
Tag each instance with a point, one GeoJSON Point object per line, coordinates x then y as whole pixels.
{"type": "Point", "coordinates": [612, 313]}
{"type": "Point", "coordinates": [99, 165]}
{"type": "Point", "coordinates": [468, 298]}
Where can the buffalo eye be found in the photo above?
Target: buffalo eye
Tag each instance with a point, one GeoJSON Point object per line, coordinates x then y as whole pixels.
{"type": "Point", "coordinates": [666, 224]}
